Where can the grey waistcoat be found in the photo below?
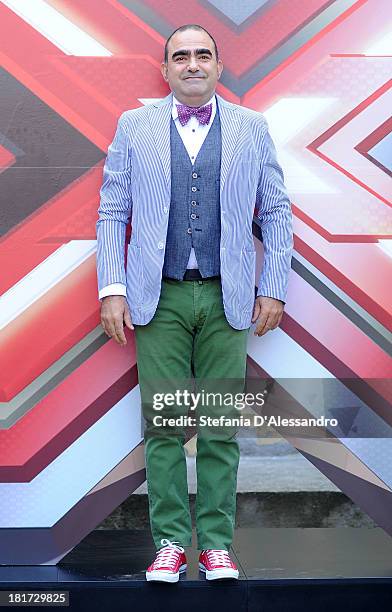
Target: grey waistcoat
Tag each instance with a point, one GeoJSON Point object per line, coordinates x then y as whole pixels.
{"type": "Point", "coordinates": [194, 216]}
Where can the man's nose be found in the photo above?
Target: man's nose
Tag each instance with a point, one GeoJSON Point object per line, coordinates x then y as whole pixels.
{"type": "Point", "coordinates": [193, 64]}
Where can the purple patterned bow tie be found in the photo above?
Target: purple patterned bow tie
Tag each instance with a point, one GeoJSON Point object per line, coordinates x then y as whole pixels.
{"type": "Point", "coordinates": [203, 113]}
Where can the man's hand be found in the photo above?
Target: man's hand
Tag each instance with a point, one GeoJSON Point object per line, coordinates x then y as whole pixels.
{"type": "Point", "coordinates": [268, 312]}
{"type": "Point", "coordinates": [114, 313]}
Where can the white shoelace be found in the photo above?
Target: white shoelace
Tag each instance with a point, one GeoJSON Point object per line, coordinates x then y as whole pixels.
{"type": "Point", "coordinates": [167, 555]}
{"type": "Point", "coordinates": [219, 557]}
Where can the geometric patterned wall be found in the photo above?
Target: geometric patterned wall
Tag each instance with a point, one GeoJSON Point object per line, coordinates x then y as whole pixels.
{"type": "Point", "coordinates": [71, 445]}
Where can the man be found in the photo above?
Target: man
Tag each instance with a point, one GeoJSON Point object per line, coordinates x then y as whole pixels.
{"type": "Point", "coordinates": [189, 171]}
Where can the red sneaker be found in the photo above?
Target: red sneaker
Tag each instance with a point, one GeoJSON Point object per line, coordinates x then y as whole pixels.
{"type": "Point", "coordinates": [217, 564]}
{"type": "Point", "coordinates": [169, 562]}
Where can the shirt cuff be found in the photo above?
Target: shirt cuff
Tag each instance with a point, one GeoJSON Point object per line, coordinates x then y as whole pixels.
{"type": "Point", "coordinates": [113, 289]}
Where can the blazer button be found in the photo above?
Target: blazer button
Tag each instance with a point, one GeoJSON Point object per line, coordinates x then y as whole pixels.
{"type": "Point", "coordinates": [189, 230]}
{"type": "Point", "coordinates": [160, 245]}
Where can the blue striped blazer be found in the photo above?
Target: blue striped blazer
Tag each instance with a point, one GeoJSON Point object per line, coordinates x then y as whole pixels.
{"type": "Point", "coordinates": [136, 185]}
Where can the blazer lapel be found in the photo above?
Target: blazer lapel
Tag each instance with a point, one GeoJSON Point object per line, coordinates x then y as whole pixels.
{"type": "Point", "coordinates": [230, 127]}
{"type": "Point", "coordinates": [159, 116]}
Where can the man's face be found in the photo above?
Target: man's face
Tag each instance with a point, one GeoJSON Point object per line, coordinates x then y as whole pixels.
{"type": "Point", "coordinates": [192, 70]}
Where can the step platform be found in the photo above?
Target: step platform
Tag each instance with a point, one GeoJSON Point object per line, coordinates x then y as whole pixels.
{"type": "Point", "coordinates": [281, 569]}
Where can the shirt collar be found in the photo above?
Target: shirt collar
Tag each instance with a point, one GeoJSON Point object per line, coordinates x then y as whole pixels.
{"type": "Point", "coordinates": [175, 101]}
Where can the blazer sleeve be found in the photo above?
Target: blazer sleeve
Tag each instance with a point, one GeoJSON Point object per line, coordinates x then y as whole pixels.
{"type": "Point", "coordinates": [115, 209]}
{"type": "Point", "coordinates": [273, 208]}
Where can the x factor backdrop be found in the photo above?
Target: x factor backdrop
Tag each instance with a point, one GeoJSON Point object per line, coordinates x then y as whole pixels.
{"type": "Point", "coordinates": [71, 444]}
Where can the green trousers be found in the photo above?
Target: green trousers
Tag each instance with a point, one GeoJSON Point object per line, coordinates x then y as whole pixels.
{"type": "Point", "coordinates": [189, 338]}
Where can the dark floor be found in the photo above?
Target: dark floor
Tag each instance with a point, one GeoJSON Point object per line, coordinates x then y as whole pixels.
{"type": "Point", "coordinates": [286, 569]}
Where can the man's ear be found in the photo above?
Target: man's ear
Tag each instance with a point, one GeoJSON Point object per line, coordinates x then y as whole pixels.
{"type": "Point", "coordinates": [164, 71]}
{"type": "Point", "coordinates": [220, 68]}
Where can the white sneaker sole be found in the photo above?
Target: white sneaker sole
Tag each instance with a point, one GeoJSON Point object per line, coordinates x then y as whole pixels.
{"type": "Point", "coordinates": [161, 576]}
{"type": "Point", "coordinates": [219, 573]}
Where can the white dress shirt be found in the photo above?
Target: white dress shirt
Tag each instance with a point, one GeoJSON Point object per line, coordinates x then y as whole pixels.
{"type": "Point", "coordinates": [193, 135]}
